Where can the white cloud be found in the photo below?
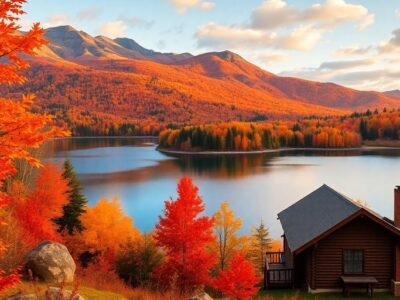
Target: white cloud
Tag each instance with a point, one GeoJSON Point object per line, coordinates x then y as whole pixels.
{"type": "Point", "coordinates": [345, 64]}
{"type": "Point", "coordinates": [56, 20]}
{"type": "Point", "coordinates": [363, 74]}
{"type": "Point", "coordinates": [397, 13]}
{"type": "Point", "coordinates": [213, 35]}
{"type": "Point", "coordinates": [113, 29]}
{"type": "Point", "coordinates": [392, 45]}
{"type": "Point", "coordinates": [275, 24]}
{"type": "Point", "coordinates": [89, 13]}
{"type": "Point", "coordinates": [182, 6]}
{"type": "Point", "coordinates": [273, 14]}
{"type": "Point", "coordinates": [270, 59]}
{"type": "Point", "coordinates": [136, 21]}
{"type": "Point", "coordinates": [353, 50]}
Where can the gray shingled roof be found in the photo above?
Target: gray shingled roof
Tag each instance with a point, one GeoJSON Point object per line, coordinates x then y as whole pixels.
{"type": "Point", "coordinates": [314, 214]}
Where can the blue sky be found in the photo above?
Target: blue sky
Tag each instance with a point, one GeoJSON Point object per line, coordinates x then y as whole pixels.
{"type": "Point", "coordinates": [351, 42]}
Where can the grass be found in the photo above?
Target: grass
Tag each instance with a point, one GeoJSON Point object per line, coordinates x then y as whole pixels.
{"type": "Point", "coordinates": [39, 290]}
{"type": "Point", "coordinates": [90, 293]}
{"type": "Point", "coordinates": [302, 295]}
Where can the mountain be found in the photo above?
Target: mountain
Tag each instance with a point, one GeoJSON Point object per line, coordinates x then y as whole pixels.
{"type": "Point", "coordinates": [97, 82]}
{"type": "Point", "coordinates": [70, 44]}
{"type": "Point", "coordinates": [393, 93]}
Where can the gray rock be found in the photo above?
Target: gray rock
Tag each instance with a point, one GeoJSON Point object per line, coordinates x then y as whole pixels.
{"type": "Point", "coordinates": [23, 297]}
{"type": "Point", "coordinates": [202, 296]}
{"type": "Point", "coordinates": [51, 262]}
{"type": "Point", "coordinates": [55, 293]}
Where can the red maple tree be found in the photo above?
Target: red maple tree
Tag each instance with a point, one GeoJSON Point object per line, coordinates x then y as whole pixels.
{"type": "Point", "coordinates": [36, 213]}
{"type": "Point", "coordinates": [238, 280]}
{"type": "Point", "coordinates": [20, 129]}
{"type": "Point", "coordinates": [184, 235]}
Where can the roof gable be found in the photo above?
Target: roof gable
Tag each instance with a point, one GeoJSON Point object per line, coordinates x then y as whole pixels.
{"type": "Point", "coordinates": [315, 214]}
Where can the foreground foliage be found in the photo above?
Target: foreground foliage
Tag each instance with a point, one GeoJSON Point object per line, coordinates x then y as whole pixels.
{"type": "Point", "coordinates": [20, 129]}
{"type": "Point", "coordinates": [183, 234]}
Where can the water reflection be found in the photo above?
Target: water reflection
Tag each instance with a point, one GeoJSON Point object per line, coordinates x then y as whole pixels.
{"type": "Point", "coordinates": [257, 186]}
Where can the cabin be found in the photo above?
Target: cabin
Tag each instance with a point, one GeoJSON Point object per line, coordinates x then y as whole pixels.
{"type": "Point", "coordinates": [331, 242]}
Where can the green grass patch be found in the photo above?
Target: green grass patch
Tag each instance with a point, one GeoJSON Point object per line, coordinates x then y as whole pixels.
{"type": "Point", "coordinates": [302, 295]}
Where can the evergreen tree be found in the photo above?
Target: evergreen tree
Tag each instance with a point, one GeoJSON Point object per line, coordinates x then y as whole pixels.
{"type": "Point", "coordinates": [70, 220]}
{"type": "Point", "coordinates": [261, 243]}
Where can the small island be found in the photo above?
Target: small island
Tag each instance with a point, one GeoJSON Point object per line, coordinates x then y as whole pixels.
{"type": "Point", "coordinates": [377, 129]}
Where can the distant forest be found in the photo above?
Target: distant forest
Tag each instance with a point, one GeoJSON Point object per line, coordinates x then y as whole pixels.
{"type": "Point", "coordinates": [336, 132]}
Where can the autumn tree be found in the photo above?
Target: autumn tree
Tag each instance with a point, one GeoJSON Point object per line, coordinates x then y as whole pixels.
{"type": "Point", "coordinates": [37, 211]}
{"type": "Point", "coordinates": [107, 229]}
{"type": "Point", "coordinates": [239, 280]}
{"type": "Point", "coordinates": [73, 210]}
{"type": "Point", "coordinates": [184, 236]}
{"type": "Point", "coordinates": [137, 260]}
{"type": "Point", "coordinates": [227, 240]}
{"type": "Point", "coordinates": [20, 130]}
{"type": "Point", "coordinates": [260, 244]}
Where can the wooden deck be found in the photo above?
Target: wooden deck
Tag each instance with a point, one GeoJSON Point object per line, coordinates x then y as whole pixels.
{"type": "Point", "coordinates": [276, 272]}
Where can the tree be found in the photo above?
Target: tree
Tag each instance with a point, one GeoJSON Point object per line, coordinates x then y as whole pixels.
{"type": "Point", "coordinates": [184, 235]}
{"type": "Point", "coordinates": [20, 130]}
{"type": "Point", "coordinates": [107, 228]}
{"type": "Point", "coordinates": [226, 227]}
{"type": "Point", "coordinates": [138, 259]}
{"type": "Point", "coordinates": [72, 212]}
{"type": "Point", "coordinates": [36, 213]}
{"type": "Point", "coordinates": [239, 280]}
{"type": "Point", "coordinates": [260, 244]}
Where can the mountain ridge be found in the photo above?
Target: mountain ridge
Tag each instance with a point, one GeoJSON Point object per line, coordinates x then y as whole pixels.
{"type": "Point", "coordinates": [81, 78]}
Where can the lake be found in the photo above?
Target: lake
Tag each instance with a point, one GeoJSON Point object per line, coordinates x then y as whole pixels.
{"type": "Point", "coordinates": [257, 186]}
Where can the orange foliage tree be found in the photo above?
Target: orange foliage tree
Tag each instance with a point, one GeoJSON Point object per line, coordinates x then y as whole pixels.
{"type": "Point", "coordinates": [20, 129]}
{"type": "Point", "coordinates": [184, 235]}
{"type": "Point", "coordinates": [238, 280]}
{"type": "Point", "coordinates": [107, 229]}
{"type": "Point", "coordinates": [36, 212]}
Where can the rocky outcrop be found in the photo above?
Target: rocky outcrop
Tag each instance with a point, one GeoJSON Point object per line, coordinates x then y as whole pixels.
{"type": "Point", "coordinates": [51, 262]}
{"type": "Point", "coordinates": [54, 293]}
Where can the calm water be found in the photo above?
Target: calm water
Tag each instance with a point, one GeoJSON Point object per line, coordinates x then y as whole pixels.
{"type": "Point", "coordinates": [257, 186]}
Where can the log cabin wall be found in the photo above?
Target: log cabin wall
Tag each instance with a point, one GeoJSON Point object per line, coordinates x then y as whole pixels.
{"type": "Point", "coordinates": [377, 243]}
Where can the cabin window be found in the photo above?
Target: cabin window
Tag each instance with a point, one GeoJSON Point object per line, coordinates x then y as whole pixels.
{"type": "Point", "coordinates": [353, 261]}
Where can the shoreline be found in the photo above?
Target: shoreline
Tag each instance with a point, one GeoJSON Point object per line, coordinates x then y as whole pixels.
{"type": "Point", "coordinates": [167, 151]}
{"type": "Point", "coordinates": [110, 137]}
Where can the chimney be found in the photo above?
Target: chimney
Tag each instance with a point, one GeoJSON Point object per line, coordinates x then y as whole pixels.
{"type": "Point", "coordinates": [397, 206]}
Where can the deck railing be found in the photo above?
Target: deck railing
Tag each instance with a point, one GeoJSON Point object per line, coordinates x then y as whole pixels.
{"type": "Point", "coordinates": [276, 273]}
{"type": "Point", "coordinates": [279, 278]}
{"type": "Point", "coordinates": [275, 258]}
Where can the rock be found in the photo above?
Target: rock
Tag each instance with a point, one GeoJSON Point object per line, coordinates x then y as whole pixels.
{"type": "Point", "coordinates": [23, 297]}
{"type": "Point", "coordinates": [51, 262]}
{"type": "Point", "coordinates": [202, 296]}
{"type": "Point", "coordinates": [54, 293]}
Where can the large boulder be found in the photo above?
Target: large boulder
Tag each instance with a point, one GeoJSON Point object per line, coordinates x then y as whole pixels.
{"type": "Point", "coordinates": [51, 262]}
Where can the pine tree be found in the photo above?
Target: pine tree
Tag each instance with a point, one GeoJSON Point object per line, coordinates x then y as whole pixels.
{"type": "Point", "coordinates": [70, 220]}
{"type": "Point", "coordinates": [261, 243]}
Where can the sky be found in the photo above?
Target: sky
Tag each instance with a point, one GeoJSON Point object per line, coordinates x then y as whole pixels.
{"type": "Point", "coordinates": [355, 43]}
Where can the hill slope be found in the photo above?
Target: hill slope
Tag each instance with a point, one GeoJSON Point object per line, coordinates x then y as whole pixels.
{"type": "Point", "coordinates": [98, 82]}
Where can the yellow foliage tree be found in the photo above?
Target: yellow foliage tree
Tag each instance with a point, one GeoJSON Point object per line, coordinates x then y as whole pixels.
{"type": "Point", "coordinates": [226, 229]}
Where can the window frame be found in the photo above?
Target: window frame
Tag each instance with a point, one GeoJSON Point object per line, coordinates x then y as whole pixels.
{"type": "Point", "coordinates": [344, 261]}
